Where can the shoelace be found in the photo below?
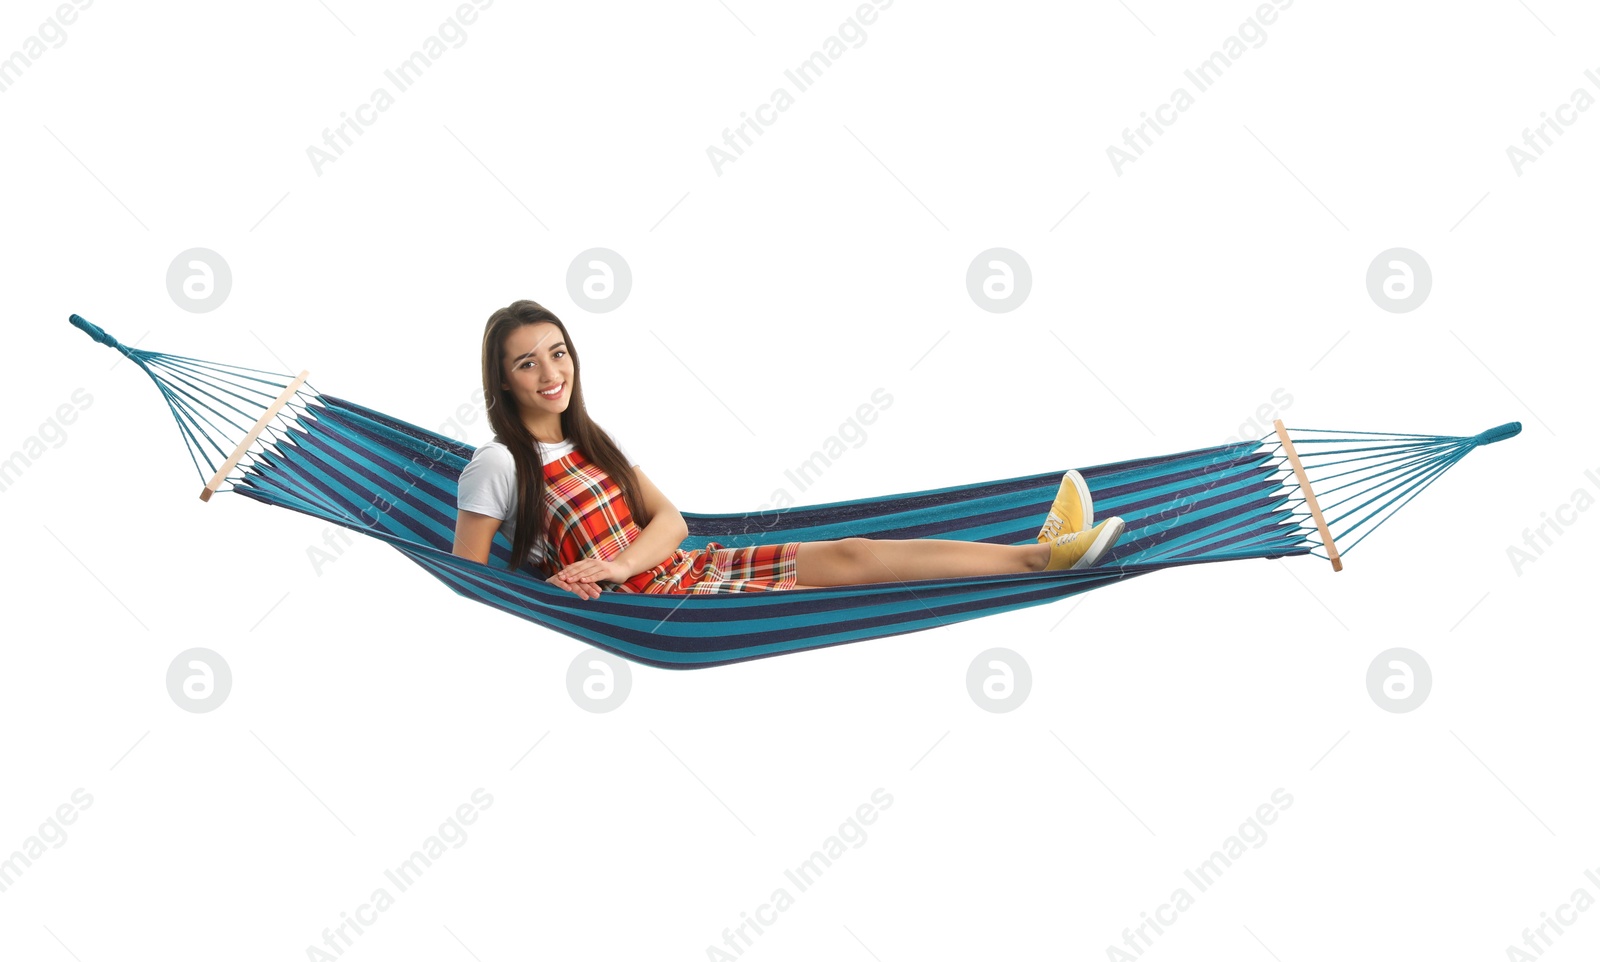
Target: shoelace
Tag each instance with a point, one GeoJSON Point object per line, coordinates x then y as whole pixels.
{"type": "Point", "coordinates": [1068, 538]}
{"type": "Point", "coordinates": [1052, 527]}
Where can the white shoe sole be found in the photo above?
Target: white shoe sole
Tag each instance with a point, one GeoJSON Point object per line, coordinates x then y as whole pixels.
{"type": "Point", "coordinates": [1108, 537]}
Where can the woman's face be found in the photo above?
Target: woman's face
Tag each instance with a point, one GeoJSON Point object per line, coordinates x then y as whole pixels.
{"type": "Point", "coordinates": [537, 360]}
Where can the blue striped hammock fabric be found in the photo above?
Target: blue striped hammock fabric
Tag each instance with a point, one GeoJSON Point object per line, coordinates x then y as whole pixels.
{"type": "Point", "coordinates": [352, 466]}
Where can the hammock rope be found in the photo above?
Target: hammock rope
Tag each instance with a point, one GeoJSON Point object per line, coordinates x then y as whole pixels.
{"type": "Point", "coordinates": [1388, 468]}
{"type": "Point", "coordinates": [361, 469]}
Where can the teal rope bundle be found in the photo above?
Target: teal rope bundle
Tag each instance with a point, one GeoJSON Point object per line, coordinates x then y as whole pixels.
{"type": "Point", "coordinates": [1375, 471]}
{"type": "Point", "coordinates": [197, 394]}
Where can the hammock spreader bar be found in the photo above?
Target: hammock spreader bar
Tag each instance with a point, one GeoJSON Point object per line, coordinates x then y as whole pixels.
{"type": "Point", "coordinates": [249, 439]}
{"type": "Point", "coordinates": [1310, 496]}
{"type": "Point", "coordinates": [366, 471]}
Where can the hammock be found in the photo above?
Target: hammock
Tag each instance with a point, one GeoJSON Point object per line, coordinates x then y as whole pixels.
{"type": "Point", "coordinates": [349, 465]}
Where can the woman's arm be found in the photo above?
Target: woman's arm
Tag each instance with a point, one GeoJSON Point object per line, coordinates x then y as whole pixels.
{"type": "Point", "coordinates": [474, 535]}
{"type": "Point", "coordinates": [658, 539]}
{"type": "Point", "coordinates": [655, 543]}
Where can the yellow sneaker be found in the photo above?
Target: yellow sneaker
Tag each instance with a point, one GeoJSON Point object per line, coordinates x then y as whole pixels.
{"type": "Point", "coordinates": [1072, 510]}
{"type": "Point", "coordinates": [1084, 549]}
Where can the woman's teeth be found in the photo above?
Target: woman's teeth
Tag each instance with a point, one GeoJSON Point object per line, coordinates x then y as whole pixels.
{"type": "Point", "coordinates": [553, 393]}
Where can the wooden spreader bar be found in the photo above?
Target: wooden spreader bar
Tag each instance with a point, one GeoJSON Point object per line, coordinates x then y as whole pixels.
{"type": "Point", "coordinates": [1311, 499]}
{"type": "Point", "coordinates": [222, 473]}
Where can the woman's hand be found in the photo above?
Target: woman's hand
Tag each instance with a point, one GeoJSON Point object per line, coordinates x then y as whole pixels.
{"type": "Point", "coordinates": [582, 589]}
{"type": "Point", "coordinates": [581, 577]}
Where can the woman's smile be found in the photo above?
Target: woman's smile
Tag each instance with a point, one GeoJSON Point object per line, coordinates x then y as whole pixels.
{"type": "Point", "coordinates": [555, 393]}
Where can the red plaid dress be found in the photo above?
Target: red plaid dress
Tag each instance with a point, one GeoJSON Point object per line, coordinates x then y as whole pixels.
{"type": "Point", "coordinates": [589, 518]}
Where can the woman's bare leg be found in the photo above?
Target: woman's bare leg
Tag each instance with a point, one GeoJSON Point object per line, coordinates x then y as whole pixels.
{"type": "Point", "coordinates": [854, 561]}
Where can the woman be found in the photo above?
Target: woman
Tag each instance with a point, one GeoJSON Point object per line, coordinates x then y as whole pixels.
{"type": "Point", "coordinates": [577, 506]}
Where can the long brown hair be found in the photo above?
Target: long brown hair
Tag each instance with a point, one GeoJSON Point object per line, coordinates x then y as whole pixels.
{"type": "Point", "coordinates": [576, 426]}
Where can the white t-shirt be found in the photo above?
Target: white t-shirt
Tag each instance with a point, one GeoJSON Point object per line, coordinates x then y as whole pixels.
{"type": "Point", "coordinates": [488, 483]}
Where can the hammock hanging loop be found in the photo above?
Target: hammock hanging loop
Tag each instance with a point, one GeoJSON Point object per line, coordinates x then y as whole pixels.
{"type": "Point", "coordinates": [1510, 429]}
{"type": "Point", "coordinates": [98, 333]}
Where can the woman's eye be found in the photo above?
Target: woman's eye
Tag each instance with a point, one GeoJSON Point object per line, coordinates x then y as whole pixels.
{"type": "Point", "coordinates": [532, 363]}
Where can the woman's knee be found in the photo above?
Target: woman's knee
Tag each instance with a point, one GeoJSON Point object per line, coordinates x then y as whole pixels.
{"type": "Point", "coordinates": [856, 551]}
{"type": "Point", "coordinates": [841, 561]}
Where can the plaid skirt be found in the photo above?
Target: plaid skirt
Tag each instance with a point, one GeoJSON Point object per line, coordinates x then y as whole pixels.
{"type": "Point", "coordinates": [589, 518]}
{"type": "Point", "coordinates": [715, 569]}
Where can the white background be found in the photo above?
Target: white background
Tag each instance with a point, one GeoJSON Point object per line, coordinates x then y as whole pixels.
{"type": "Point", "coordinates": [768, 303]}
